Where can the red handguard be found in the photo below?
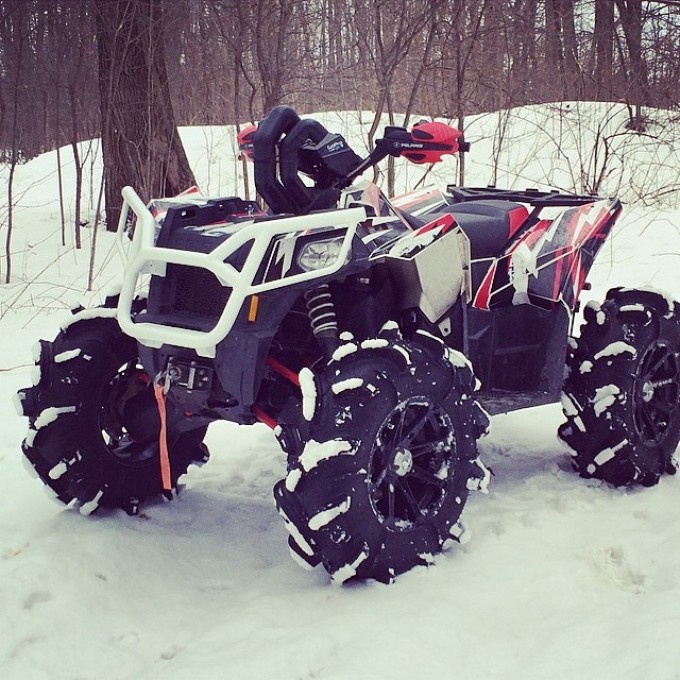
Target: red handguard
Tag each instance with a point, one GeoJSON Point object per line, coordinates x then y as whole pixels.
{"type": "Point", "coordinates": [245, 142]}
{"type": "Point", "coordinates": [437, 139]}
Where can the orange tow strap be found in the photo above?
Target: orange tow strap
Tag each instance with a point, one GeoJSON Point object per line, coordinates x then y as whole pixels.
{"type": "Point", "coordinates": [166, 477]}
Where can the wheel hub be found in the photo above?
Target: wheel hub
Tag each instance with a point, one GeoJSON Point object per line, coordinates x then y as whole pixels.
{"type": "Point", "coordinates": [410, 463]}
{"type": "Point", "coordinates": [402, 463]}
{"type": "Point", "coordinates": [129, 419]}
{"type": "Point", "coordinates": [647, 392]}
{"type": "Point", "coordinates": [657, 393]}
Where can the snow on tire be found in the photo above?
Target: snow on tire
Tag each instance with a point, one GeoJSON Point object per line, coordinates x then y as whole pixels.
{"type": "Point", "coordinates": [621, 396]}
{"type": "Point", "coordinates": [93, 419]}
{"type": "Point", "coordinates": [383, 478]}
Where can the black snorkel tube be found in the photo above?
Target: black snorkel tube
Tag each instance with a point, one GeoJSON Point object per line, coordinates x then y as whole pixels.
{"type": "Point", "coordinates": [280, 121]}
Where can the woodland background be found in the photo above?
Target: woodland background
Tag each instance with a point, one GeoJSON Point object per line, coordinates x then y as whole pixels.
{"type": "Point", "coordinates": [130, 71]}
{"type": "Point", "coordinates": [229, 61]}
{"type": "Point", "coordinates": [563, 579]}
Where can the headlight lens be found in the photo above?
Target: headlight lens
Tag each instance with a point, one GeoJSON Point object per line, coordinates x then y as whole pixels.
{"type": "Point", "coordinates": [320, 254]}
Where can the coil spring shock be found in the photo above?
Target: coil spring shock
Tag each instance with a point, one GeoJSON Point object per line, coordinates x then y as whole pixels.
{"type": "Point", "coordinates": [322, 317]}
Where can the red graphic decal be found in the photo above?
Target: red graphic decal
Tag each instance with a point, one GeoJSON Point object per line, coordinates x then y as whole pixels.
{"type": "Point", "coordinates": [423, 196]}
{"type": "Point", "coordinates": [445, 222]}
{"type": "Point", "coordinates": [191, 190]}
{"type": "Point", "coordinates": [518, 216]}
{"type": "Point", "coordinates": [482, 298]}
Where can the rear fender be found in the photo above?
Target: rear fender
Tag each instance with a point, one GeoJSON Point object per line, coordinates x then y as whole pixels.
{"type": "Point", "coordinates": [550, 261]}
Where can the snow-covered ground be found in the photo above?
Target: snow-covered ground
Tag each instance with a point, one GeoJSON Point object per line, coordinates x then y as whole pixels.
{"type": "Point", "coordinates": [563, 579]}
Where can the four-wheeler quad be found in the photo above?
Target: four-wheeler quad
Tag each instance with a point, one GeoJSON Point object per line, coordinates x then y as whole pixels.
{"type": "Point", "coordinates": [350, 325]}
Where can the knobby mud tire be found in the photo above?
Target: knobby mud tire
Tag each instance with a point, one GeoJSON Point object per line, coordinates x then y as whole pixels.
{"type": "Point", "coordinates": [93, 418]}
{"type": "Point", "coordinates": [382, 481]}
{"type": "Point", "coordinates": [621, 396]}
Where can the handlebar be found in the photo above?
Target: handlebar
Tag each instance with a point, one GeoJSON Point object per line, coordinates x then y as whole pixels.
{"type": "Point", "coordinates": [305, 146]}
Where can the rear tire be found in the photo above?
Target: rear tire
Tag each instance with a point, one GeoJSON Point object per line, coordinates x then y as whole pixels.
{"type": "Point", "coordinates": [384, 476]}
{"type": "Point", "coordinates": [621, 397]}
{"type": "Point", "coordinates": [93, 419]}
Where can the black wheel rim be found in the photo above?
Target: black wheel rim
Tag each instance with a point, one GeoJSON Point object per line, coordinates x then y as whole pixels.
{"type": "Point", "coordinates": [411, 463]}
{"type": "Point", "coordinates": [128, 416]}
{"type": "Point", "coordinates": [656, 394]}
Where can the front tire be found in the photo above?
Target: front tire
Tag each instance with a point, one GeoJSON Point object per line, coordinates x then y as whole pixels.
{"type": "Point", "coordinates": [384, 476]}
{"type": "Point", "coordinates": [621, 397]}
{"type": "Point", "coordinates": [93, 419]}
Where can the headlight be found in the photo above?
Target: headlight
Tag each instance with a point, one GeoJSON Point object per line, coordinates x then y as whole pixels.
{"type": "Point", "coordinates": [320, 254]}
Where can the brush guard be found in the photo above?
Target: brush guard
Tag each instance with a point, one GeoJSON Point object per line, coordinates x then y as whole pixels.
{"type": "Point", "coordinates": [143, 257]}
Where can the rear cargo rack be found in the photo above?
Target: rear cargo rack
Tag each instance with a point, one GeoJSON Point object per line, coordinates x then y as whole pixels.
{"type": "Point", "coordinates": [534, 197]}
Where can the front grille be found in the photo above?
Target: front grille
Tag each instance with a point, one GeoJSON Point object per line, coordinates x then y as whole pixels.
{"type": "Point", "coordinates": [196, 291]}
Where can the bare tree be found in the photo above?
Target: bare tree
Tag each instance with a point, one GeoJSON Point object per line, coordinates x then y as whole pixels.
{"type": "Point", "coordinates": [226, 61]}
{"type": "Point", "coordinates": [16, 29]}
{"type": "Point", "coordinates": [603, 48]}
{"type": "Point", "coordinates": [460, 32]}
{"type": "Point", "coordinates": [388, 33]}
{"type": "Point", "coordinates": [631, 13]}
{"type": "Point", "coordinates": [140, 140]}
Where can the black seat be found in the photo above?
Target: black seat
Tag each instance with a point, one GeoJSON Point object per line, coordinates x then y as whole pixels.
{"type": "Point", "coordinates": [489, 224]}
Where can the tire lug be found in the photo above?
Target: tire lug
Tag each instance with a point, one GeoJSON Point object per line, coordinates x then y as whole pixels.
{"type": "Point", "coordinates": [66, 457]}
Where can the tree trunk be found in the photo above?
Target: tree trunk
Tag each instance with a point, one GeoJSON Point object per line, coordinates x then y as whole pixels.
{"type": "Point", "coordinates": [572, 66]}
{"type": "Point", "coordinates": [10, 220]}
{"type": "Point", "coordinates": [604, 45]}
{"type": "Point", "coordinates": [93, 241]}
{"type": "Point", "coordinates": [554, 57]}
{"type": "Point", "coordinates": [78, 195]}
{"type": "Point", "coordinates": [140, 142]}
{"type": "Point", "coordinates": [630, 12]}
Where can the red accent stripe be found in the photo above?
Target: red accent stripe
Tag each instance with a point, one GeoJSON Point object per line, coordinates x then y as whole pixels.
{"type": "Point", "coordinates": [445, 222]}
{"type": "Point", "coordinates": [283, 370]}
{"type": "Point", "coordinates": [482, 298]}
{"type": "Point", "coordinates": [191, 190]}
{"type": "Point", "coordinates": [428, 227]}
{"type": "Point", "coordinates": [517, 217]}
{"type": "Point", "coordinates": [264, 418]}
{"type": "Point", "coordinates": [450, 223]}
{"type": "Point", "coordinates": [405, 201]}
{"type": "Point", "coordinates": [533, 235]}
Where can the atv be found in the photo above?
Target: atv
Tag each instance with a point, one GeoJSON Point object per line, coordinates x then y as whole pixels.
{"type": "Point", "coordinates": [350, 324]}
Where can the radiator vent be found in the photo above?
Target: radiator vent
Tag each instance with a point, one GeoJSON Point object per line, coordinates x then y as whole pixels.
{"type": "Point", "coordinates": [196, 292]}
